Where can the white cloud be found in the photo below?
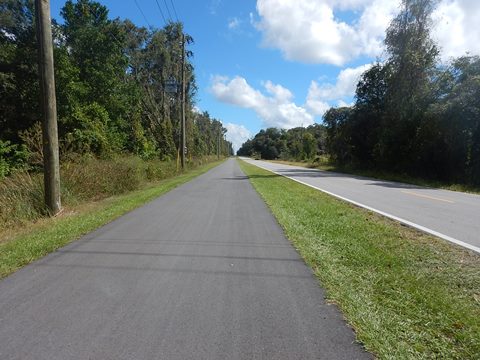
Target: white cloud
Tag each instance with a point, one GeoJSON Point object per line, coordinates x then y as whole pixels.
{"type": "Point", "coordinates": [315, 104]}
{"type": "Point", "coordinates": [276, 109]}
{"type": "Point", "coordinates": [309, 30]}
{"type": "Point", "coordinates": [319, 95]}
{"type": "Point", "coordinates": [342, 103]}
{"type": "Point", "coordinates": [275, 105]}
{"type": "Point", "coordinates": [237, 135]}
{"type": "Point", "coordinates": [278, 91]}
{"type": "Point", "coordinates": [456, 27]}
{"type": "Point", "coordinates": [233, 23]}
{"type": "Point", "coordinates": [237, 92]}
{"type": "Point", "coordinates": [373, 23]}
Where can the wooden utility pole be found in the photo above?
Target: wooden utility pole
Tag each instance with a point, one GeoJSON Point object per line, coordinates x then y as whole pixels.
{"type": "Point", "coordinates": [183, 142]}
{"type": "Point", "coordinates": [49, 106]}
{"type": "Point", "coordinates": [218, 142]}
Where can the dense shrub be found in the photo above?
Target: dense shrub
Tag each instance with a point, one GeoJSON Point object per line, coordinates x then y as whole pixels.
{"type": "Point", "coordinates": [12, 156]}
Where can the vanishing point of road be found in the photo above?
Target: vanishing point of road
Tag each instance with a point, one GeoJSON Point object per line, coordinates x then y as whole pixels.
{"type": "Point", "coordinates": [202, 272]}
{"type": "Point", "coordinates": [451, 215]}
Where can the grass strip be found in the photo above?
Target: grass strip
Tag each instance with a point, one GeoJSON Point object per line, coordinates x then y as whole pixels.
{"type": "Point", "coordinates": [408, 295]}
{"type": "Point", "coordinates": [50, 234]}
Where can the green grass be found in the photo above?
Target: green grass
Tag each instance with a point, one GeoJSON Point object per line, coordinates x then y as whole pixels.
{"type": "Point", "coordinates": [325, 165]}
{"type": "Point", "coordinates": [50, 234]}
{"type": "Point", "coordinates": [408, 295]}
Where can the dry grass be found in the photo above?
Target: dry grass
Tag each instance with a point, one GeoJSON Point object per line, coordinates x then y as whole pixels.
{"type": "Point", "coordinates": [83, 180]}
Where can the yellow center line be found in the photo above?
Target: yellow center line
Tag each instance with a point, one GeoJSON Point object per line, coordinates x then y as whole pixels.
{"type": "Point", "coordinates": [427, 196]}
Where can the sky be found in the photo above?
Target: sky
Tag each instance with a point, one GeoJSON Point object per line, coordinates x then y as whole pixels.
{"type": "Point", "coordinates": [283, 63]}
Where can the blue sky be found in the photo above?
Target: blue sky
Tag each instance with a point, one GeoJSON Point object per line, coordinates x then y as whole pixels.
{"type": "Point", "coordinates": [284, 62]}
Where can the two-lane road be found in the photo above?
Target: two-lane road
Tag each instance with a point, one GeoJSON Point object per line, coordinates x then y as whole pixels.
{"type": "Point", "coordinates": [203, 272]}
{"type": "Point", "coordinates": [451, 215]}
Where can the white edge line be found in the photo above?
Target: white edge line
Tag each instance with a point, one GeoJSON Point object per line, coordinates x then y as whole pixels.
{"type": "Point", "coordinates": [403, 221]}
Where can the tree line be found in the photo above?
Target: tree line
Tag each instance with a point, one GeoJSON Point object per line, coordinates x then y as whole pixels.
{"type": "Point", "coordinates": [294, 144]}
{"type": "Point", "coordinates": [111, 79]}
{"type": "Point", "coordinates": [412, 113]}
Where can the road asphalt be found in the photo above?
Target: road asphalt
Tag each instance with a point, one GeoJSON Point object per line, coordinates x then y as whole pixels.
{"type": "Point", "coordinates": [451, 215]}
{"type": "Point", "coordinates": [202, 272]}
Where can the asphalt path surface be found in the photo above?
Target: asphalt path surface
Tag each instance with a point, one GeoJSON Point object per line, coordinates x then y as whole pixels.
{"type": "Point", "coordinates": [451, 215]}
{"type": "Point", "coordinates": [202, 272]}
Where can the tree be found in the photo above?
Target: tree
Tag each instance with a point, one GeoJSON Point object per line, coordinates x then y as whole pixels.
{"type": "Point", "coordinates": [309, 146]}
{"type": "Point", "coordinates": [19, 107]}
{"type": "Point", "coordinates": [95, 47]}
{"type": "Point", "coordinates": [411, 114]}
{"type": "Point", "coordinates": [412, 59]}
{"type": "Point", "coordinates": [337, 123]}
{"type": "Point", "coordinates": [368, 113]}
{"type": "Point", "coordinates": [457, 117]}
{"type": "Point", "coordinates": [293, 144]}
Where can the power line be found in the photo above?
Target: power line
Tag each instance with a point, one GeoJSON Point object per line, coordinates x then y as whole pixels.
{"type": "Point", "coordinates": [168, 10]}
{"type": "Point", "coordinates": [141, 11]}
{"type": "Point", "coordinates": [174, 10]}
{"type": "Point", "coordinates": [161, 12]}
